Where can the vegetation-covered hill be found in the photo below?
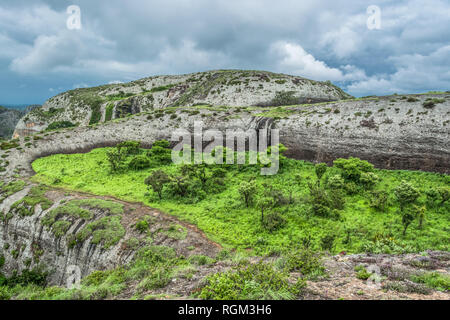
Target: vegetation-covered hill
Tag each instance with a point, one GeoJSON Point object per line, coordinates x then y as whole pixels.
{"type": "Point", "coordinates": [84, 106]}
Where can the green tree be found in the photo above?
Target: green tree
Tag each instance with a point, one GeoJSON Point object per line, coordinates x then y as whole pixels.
{"type": "Point", "coordinates": [408, 216]}
{"type": "Point", "coordinates": [157, 180]}
{"type": "Point", "coordinates": [116, 158]}
{"type": "Point", "coordinates": [264, 203]}
{"type": "Point", "coordinates": [320, 170]}
{"type": "Point", "coordinates": [247, 190]}
{"type": "Point", "coordinates": [352, 168]}
{"type": "Point", "coordinates": [406, 194]}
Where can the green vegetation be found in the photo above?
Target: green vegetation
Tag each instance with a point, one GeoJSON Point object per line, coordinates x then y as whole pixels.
{"type": "Point", "coordinates": [25, 206]}
{"type": "Point", "coordinates": [11, 188]}
{"type": "Point", "coordinates": [107, 230]}
{"type": "Point", "coordinates": [153, 267]}
{"type": "Point", "coordinates": [433, 280]}
{"type": "Point", "coordinates": [60, 125]}
{"type": "Point", "coordinates": [354, 202]}
{"type": "Point", "coordinates": [259, 281]}
{"type": "Point", "coordinates": [109, 112]}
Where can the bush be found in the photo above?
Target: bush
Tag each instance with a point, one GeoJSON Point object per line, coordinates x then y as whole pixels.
{"type": "Point", "coordinates": [273, 221]}
{"type": "Point", "coordinates": [130, 147]}
{"type": "Point", "coordinates": [352, 168]}
{"type": "Point", "coordinates": [304, 261]}
{"type": "Point", "coordinates": [320, 170]}
{"type": "Point", "coordinates": [247, 191]}
{"type": "Point", "coordinates": [139, 162]}
{"type": "Point", "coordinates": [142, 226]}
{"type": "Point", "coordinates": [160, 154]}
{"type": "Point", "coordinates": [285, 98]}
{"type": "Point", "coordinates": [379, 200]}
{"type": "Point", "coordinates": [406, 194]}
{"type": "Point", "coordinates": [36, 276]}
{"type": "Point", "coordinates": [258, 281]}
{"type": "Point", "coordinates": [157, 180]}
{"type": "Point", "coordinates": [369, 179]}
{"type": "Point", "coordinates": [336, 182]}
{"type": "Point", "coordinates": [60, 125]}
{"type": "Point", "coordinates": [362, 273]}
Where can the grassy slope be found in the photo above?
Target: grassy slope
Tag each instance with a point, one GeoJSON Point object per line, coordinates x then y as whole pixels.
{"type": "Point", "coordinates": [225, 219]}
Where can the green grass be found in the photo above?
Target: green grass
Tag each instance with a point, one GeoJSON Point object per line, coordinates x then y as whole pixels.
{"type": "Point", "coordinates": [225, 219]}
{"type": "Point", "coordinates": [25, 206]}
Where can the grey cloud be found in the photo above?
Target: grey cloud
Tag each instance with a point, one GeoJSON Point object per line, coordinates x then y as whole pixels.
{"type": "Point", "coordinates": [122, 41]}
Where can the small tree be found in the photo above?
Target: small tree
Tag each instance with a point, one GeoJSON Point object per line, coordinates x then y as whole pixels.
{"type": "Point", "coordinates": [116, 158]}
{"type": "Point", "coordinates": [157, 180]}
{"type": "Point", "coordinates": [264, 203]}
{"type": "Point", "coordinates": [406, 194]}
{"type": "Point", "coordinates": [407, 218]}
{"type": "Point", "coordinates": [320, 169]}
{"type": "Point", "coordinates": [247, 190]}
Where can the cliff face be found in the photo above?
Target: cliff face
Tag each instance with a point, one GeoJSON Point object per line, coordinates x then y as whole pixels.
{"type": "Point", "coordinates": [391, 132]}
{"type": "Point", "coordinates": [85, 106]}
{"type": "Point", "coordinates": [8, 120]}
{"type": "Point", "coordinates": [70, 234]}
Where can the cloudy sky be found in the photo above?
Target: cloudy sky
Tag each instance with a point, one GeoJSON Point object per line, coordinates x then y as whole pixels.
{"type": "Point", "coordinates": [127, 40]}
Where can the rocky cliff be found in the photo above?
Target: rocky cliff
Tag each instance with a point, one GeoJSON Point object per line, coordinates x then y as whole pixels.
{"type": "Point", "coordinates": [57, 229]}
{"type": "Point", "coordinates": [8, 120]}
{"type": "Point", "coordinates": [85, 106]}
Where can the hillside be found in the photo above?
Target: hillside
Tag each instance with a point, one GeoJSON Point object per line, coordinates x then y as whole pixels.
{"type": "Point", "coordinates": [71, 196]}
{"type": "Point", "coordinates": [85, 106]}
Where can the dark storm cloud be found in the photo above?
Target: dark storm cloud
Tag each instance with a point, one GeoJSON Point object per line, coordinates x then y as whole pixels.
{"type": "Point", "coordinates": [125, 40]}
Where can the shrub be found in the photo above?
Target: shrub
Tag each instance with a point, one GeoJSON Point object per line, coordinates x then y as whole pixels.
{"type": "Point", "coordinates": [157, 180]}
{"type": "Point", "coordinates": [435, 280]}
{"type": "Point", "coordinates": [362, 273]}
{"type": "Point", "coordinates": [60, 125]}
{"type": "Point", "coordinates": [304, 261]}
{"type": "Point", "coordinates": [273, 221]}
{"type": "Point", "coordinates": [406, 194]}
{"type": "Point", "coordinates": [258, 281]}
{"type": "Point", "coordinates": [142, 226]}
{"type": "Point", "coordinates": [379, 200]}
{"type": "Point", "coordinates": [369, 179]}
{"type": "Point", "coordinates": [160, 154]}
{"type": "Point", "coordinates": [200, 260]}
{"type": "Point", "coordinates": [320, 170]}
{"type": "Point", "coordinates": [130, 147]}
{"type": "Point", "coordinates": [336, 182]}
{"type": "Point", "coordinates": [352, 168]}
{"type": "Point", "coordinates": [247, 191]}
{"type": "Point", "coordinates": [285, 98]}
{"type": "Point", "coordinates": [116, 159]}
{"type": "Point", "coordinates": [139, 162]}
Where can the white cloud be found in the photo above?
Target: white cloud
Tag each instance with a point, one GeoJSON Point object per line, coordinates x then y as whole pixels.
{"type": "Point", "coordinates": [427, 72]}
{"type": "Point", "coordinates": [293, 59]}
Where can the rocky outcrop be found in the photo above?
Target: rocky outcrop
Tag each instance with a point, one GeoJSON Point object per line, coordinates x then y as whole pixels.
{"type": "Point", "coordinates": [62, 249]}
{"type": "Point", "coordinates": [391, 134]}
{"type": "Point", "coordinates": [224, 87]}
{"type": "Point", "coordinates": [8, 120]}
